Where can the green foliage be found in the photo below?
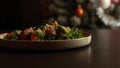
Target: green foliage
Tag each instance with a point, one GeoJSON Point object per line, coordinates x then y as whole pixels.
{"type": "Point", "coordinates": [15, 34]}
{"type": "Point", "coordinates": [49, 37]}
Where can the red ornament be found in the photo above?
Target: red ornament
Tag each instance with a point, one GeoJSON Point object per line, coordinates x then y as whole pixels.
{"type": "Point", "coordinates": [79, 11]}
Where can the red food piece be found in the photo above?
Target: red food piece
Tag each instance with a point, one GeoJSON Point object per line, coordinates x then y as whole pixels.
{"type": "Point", "coordinates": [23, 36]}
{"type": "Point", "coordinates": [8, 35]}
{"type": "Point", "coordinates": [50, 30]}
{"type": "Point", "coordinates": [34, 37]}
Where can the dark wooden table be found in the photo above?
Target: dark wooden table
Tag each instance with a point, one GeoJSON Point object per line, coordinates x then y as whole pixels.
{"type": "Point", "coordinates": [102, 52]}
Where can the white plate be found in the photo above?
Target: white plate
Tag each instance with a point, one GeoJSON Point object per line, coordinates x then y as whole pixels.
{"type": "Point", "coordinates": [45, 45]}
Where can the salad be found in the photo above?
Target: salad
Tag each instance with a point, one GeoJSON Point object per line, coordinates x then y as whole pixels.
{"type": "Point", "coordinates": [52, 31]}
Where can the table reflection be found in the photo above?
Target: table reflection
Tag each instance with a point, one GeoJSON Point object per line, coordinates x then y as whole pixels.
{"type": "Point", "coordinates": [57, 59]}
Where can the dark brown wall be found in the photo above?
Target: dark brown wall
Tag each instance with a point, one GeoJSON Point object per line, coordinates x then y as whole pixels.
{"type": "Point", "coordinates": [16, 14]}
{"type": "Point", "coordinates": [9, 14]}
{"type": "Point", "coordinates": [32, 12]}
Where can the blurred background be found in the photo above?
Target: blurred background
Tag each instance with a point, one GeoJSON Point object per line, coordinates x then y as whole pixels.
{"type": "Point", "coordinates": [20, 14]}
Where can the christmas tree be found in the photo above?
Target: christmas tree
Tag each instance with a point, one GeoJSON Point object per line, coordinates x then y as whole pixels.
{"type": "Point", "coordinates": [109, 12]}
{"type": "Point", "coordinates": [85, 13]}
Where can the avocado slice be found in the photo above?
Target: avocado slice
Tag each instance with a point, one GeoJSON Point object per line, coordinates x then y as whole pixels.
{"type": "Point", "coordinates": [63, 29]}
{"type": "Point", "coordinates": [39, 33]}
{"type": "Point", "coordinates": [18, 31]}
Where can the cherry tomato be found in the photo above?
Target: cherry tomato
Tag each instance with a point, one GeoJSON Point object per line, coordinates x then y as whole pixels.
{"type": "Point", "coordinates": [34, 37]}
{"type": "Point", "coordinates": [23, 36]}
{"type": "Point", "coordinates": [9, 35]}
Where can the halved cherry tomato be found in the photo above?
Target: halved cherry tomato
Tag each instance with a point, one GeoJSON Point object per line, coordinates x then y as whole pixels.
{"type": "Point", "coordinates": [23, 36]}
{"type": "Point", "coordinates": [8, 35]}
{"type": "Point", "coordinates": [34, 37]}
